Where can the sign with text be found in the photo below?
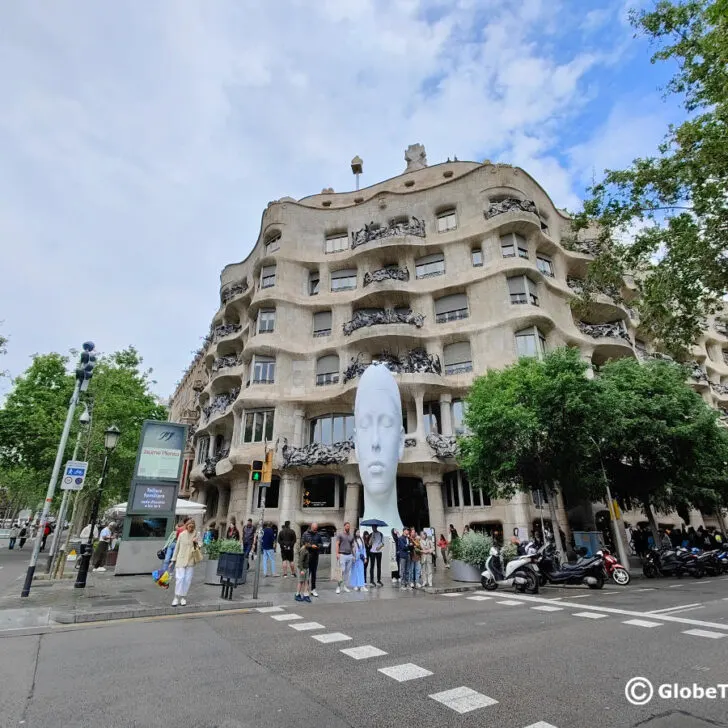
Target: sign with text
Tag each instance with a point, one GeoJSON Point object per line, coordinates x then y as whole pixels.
{"type": "Point", "coordinates": [151, 498]}
{"type": "Point", "coordinates": [160, 450]}
{"type": "Point", "coordinates": [74, 475]}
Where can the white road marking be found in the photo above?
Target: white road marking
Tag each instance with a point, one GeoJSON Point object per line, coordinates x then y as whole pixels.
{"type": "Point", "coordinates": [510, 603]}
{"type": "Point", "coordinates": [646, 588]}
{"type": "Point", "coordinates": [580, 596]}
{"type": "Point", "coordinates": [403, 673]}
{"type": "Point", "coordinates": [286, 617]}
{"type": "Point", "coordinates": [463, 700]}
{"type": "Point", "coordinates": [675, 586]}
{"type": "Point", "coordinates": [330, 637]}
{"type": "Point", "coordinates": [525, 598]}
{"type": "Point", "coordinates": [699, 581]}
{"type": "Point", "coordinates": [267, 610]}
{"type": "Point", "coordinates": [643, 623]}
{"type": "Point", "coordinates": [364, 652]}
{"type": "Point", "coordinates": [452, 594]}
{"type": "Point", "coordinates": [541, 724]}
{"type": "Point", "coordinates": [589, 615]}
{"type": "Point", "coordinates": [479, 598]}
{"type": "Point", "coordinates": [546, 608]}
{"type": "Point", "coordinates": [306, 626]}
{"type": "Point", "coordinates": [673, 609]}
{"type": "Point", "coordinates": [687, 609]}
{"type": "Point", "coordinates": [704, 633]}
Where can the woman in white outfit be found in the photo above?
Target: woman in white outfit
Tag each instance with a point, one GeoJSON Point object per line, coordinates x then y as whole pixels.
{"type": "Point", "coordinates": [186, 555]}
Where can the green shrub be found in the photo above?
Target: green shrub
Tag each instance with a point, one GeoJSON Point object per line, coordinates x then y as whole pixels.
{"type": "Point", "coordinates": [508, 553]}
{"type": "Point", "coordinates": [472, 548]}
{"type": "Point", "coordinates": [223, 546]}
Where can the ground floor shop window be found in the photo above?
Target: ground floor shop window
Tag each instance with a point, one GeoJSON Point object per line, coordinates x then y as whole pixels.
{"type": "Point", "coordinates": [323, 491]}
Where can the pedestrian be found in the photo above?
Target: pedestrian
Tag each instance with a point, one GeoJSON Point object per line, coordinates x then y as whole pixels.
{"type": "Point", "coordinates": [14, 531]}
{"type": "Point", "coordinates": [665, 542]}
{"type": "Point", "coordinates": [186, 555]}
{"type": "Point", "coordinates": [102, 547]}
{"type": "Point", "coordinates": [416, 556]}
{"type": "Point", "coordinates": [46, 533]}
{"type": "Point", "coordinates": [287, 542]}
{"type": "Point", "coordinates": [466, 530]}
{"type": "Point", "coordinates": [313, 542]}
{"type": "Point", "coordinates": [268, 544]}
{"type": "Point", "coordinates": [394, 557]}
{"type": "Point", "coordinates": [442, 545]}
{"type": "Point", "coordinates": [248, 537]}
{"type": "Point", "coordinates": [376, 546]}
{"type": "Point", "coordinates": [405, 562]}
{"type": "Point", "coordinates": [23, 536]}
{"type": "Point", "coordinates": [359, 563]}
{"type": "Point", "coordinates": [453, 534]}
{"type": "Point", "coordinates": [232, 531]}
{"type": "Point", "coordinates": [427, 545]}
{"type": "Point", "coordinates": [304, 566]}
{"type": "Point", "coordinates": [344, 556]}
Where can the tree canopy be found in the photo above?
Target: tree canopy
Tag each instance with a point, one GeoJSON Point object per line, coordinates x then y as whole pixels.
{"type": "Point", "coordinates": [676, 199]}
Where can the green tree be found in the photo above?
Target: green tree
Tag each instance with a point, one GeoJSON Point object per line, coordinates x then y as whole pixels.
{"type": "Point", "coordinates": [529, 427]}
{"type": "Point", "coordinates": [677, 200]}
{"type": "Point", "coordinates": [661, 443]}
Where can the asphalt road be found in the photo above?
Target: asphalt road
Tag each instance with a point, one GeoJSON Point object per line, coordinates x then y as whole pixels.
{"type": "Point", "coordinates": [475, 659]}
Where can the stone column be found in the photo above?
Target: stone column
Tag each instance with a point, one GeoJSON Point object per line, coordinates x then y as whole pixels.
{"type": "Point", "coordinates": [299, 417]}
{"type": "Point", "coordinates": [446, 413]}
{"type": "Point", "coordinates": [419, 396]}
{"type": "Point", "coordinates": [436, 506]}
{"type": "Point", "coordinates": [288, 500]}
{"type": "Point", "coordinates": [351, 504]}
{"type": "Point", "coordinates": [411, 417]}
{"type": "Point", "coordinates": [249, 499]}
{"type": "Point", "coordinates": [517, 517]}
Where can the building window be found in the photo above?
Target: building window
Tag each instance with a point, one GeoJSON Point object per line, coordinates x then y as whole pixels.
{"type": "Point", "coordinates": [457, 358]}
{"type": "Point", "coordinates": [513, 245]}
{"type": "Point", "coordinates": [530, 342]}
{"type": "Point", "coordinates": [266, 320]}
{"type": "Point", "coordinates": [323, 491]}
{"type": "Point", "coordinates": [264, 369]}
{"type": "Point", "coordinates": [447, 220]}
{"type": "Point", "coordinates": [544, 264]}
{"type": "Point", "coordinates": [268, 276]}
{"type": "Point", "coordinates": [476, 255]}
{"type": "Point", "coordinates": [203, 447]}
{"type": "Point", "coordinates": [458, 408]}
{"type": "Point", "coordinates": [430, 265]}
{"type": "Point", "coordinates": [458, 489]}
{"type": "Point", "coordinates": [336, 242]}
{"type": "Point", "coordinates": [258, 425]}
{"type": "Point", "coordinates": [328, 429]}
{"type": "Point", "coordinates": [452, 489]}
{"type": "Point", "coordinates": [343, 280]}
{"type": "Point", "coordinates": [327, 370]}
{"type": "Point", "coordinates": [451, 308]}
{"type": "Point", "coordinates": [314, 283]}
{"type": "Point", "coordinates": [523, 290]}
{"type": "Point", "coordinates": [322, 323]}
{"type": "Point", "coordinates": [273, 243]}
{"type": "Point", "coordinates": [272, 493]}
{"type": "Point", "coordinates": [432, 421]}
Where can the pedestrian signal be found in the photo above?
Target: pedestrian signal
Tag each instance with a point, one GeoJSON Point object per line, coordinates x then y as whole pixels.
{"type": "Point", "coordinates": [257, 471]}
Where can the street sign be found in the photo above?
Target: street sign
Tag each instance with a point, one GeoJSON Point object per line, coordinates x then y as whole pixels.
{"type": "Point", "coordinates": [74, 475]}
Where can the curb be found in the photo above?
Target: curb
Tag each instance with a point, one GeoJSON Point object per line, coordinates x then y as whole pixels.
{"type": "Point", "coordinates": [451, 589]}
{"type": "Point", "coordinates": [112, 615]}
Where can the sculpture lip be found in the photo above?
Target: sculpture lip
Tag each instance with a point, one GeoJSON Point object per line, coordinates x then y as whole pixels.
{"type": "Point", "coordinates": [377, 464]}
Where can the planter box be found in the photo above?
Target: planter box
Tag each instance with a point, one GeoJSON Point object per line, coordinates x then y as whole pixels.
{"type": "Point", "coordinates": [211, 576]}
{"type": "Point", "coordinates": [233, 567]}
{"type": "Point", "coordinates": [460, 571]}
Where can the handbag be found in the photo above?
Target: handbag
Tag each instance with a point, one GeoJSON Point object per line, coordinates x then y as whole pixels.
{"type": "Point", "coordinates": [196, 555]}
{"type": "Point", "coordinates": [162, 554]}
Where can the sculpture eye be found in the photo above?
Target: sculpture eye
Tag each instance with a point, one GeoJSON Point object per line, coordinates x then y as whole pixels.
{"type": "Point", "coordinates": [364, 422]}
{"type": "Point", "coordinates": [386, 421]}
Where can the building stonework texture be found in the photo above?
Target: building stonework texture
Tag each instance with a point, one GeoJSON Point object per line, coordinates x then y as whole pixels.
{"type": "Point", "coordinates": [442, 273]}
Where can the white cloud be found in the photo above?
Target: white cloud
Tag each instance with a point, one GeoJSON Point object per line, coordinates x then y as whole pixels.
{"type": "Point", "coordinates": [141, 142]}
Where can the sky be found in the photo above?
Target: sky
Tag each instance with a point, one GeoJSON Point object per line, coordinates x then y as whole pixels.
{"type": "Point", "coordinates": [141, 142]}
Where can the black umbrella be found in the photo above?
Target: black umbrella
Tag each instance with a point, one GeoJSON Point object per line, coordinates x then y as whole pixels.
{"type": "Point", "coordinates": [372, 522]}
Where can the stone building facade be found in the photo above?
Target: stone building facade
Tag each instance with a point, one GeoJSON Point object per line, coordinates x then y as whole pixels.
{"type": "Point", "coordinates": [443, 272]}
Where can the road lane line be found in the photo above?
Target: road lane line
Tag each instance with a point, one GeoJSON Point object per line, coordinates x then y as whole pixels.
{"type": "Point", "coordinates": [643, 623]}
{"type": "Point", "coordinates": [330, 637]}
{"type": "Point", "coordinates": [306, 626]}
{"type": "Point", "coordinates": [673, 609]}
{"type": "Point", "coordinates": [704, 633]}
{"type": "Point", "coordinates": [510, 603]}
{"type": "Point", "coordinates": [364, 652]}
{"type": "Point", "coordinates": [463, 699]}
{"type": "Point", "coordinates": [590, 615]}
{"type": "Point", "coordinates": [285, 617]}
{"type": "Point", "coordinates": [267, 610]}
{"type": "Point", "coordinates": [479, 598]}
{"type": "Point", "coordinates": [541, 724]}
{"type": "Point", "coordinates": [406, 672]}
{"type": "Point", "coordinates": [547, 608]}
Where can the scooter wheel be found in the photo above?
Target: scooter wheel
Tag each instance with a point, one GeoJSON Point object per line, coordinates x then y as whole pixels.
{"type": "Point", "coordinates": [621, 577]}
{"type": "Point", "coordinates": [599, 584]}
{"type": "Point", "coordinates": [488, 584]}
{"type": "Point", "coordinates": [532, 585]}
{"type": "Point", "coordinates": [699, 573]}
{"type": "Point", "coordinates": [649, 571]}
{"type": "Point", "coordinates": [542, 580]}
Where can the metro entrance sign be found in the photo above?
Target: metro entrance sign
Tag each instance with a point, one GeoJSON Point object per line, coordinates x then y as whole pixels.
{"type": "Point", "coordinates": [74, 475]}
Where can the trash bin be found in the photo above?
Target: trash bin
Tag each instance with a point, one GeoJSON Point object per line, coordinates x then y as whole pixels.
{"type": "Point", "coordinates": [233, 568]}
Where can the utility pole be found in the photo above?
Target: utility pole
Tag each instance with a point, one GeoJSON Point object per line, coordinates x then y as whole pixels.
{"type": "Point", "coordinates": [262, 473]}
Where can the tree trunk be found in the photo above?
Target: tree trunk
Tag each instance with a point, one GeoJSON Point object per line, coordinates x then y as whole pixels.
{"type": "Point", "coordinates": [555, 522]}
{"type": "Point", "coordinates": [653, 523]}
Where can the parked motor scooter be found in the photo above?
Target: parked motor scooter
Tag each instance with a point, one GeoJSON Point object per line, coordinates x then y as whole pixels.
{"type": "Point", "coordinates": [520, 572]}
{"type": "Point", "coordinates": [671, 562]}
{"type": "Point", "coordinates": [614, 569]}
{"type": "Point", "coordinates": [589, 570]}
{"type": "Point", "coordinates": [709, 561]}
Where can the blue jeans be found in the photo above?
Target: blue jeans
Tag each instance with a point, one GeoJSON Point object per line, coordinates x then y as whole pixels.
{"type": "Point", "coordinates": [416, 571]}
{"type": "Point", "coordinates": [269, 555]}
{"type": "Point", "coordinates": [168, 557]}
{"type": "Point", "coordinates": [405, 570]}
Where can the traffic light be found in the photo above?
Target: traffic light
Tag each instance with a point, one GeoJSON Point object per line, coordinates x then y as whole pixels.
{"type": "Point", "coordinates": [85, 369]}
{"type": "Point", "coordinates": [268, 468]}
{"type": "Point", "coordinates": [256, 468]}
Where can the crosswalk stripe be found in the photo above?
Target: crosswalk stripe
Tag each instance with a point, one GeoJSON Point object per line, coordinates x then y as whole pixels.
{"type": "Point", "coordinates": [364, 652]}
{"type": "Point", "coordinates": [547, 608]}
{"type": "Point", "coordinates": [463, 699]}
{"type": "Point", "coordinates": [704, 633]}
{"type": "Point", "coordinates": [642, 623]}
{"type": "Point", "coordinates": [589, 615]}
{"type": "Point", "coordinates": [403, 673]}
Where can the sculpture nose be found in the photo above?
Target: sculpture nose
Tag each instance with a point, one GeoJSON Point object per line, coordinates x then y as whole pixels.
{"type": "Point", "coordinates": [376, 439]}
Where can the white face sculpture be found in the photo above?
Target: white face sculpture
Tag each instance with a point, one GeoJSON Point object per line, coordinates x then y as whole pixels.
{"type": "Point", "coordinates": [378, 431]}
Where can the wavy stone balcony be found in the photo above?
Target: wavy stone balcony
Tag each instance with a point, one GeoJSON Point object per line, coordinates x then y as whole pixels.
{"type": "Point", "coordinates": [697, 373]}
{"type": "Point", "coordinates": [445, 447]}
{"type": "Point", "coordinates": [316, 454]}
{"type": "Point", "coordinates": [416, 361]}
{"type": "Point", "coordinates": [223, 330]}
{"type": "Point", "coordinates": [373, 231]}
{"type": "Point", "coordinates": [510, 204]}
{"type": "Point", "coordinates": [386, 274]}
{"type": "Point", "coordinates": [381, 317]}
{"type": "Point", "coordinates": [721, 327]}
{"type": "Point", "coordinates": [220, 403]}
{"type": "Point", "coordinates": [577, 285]}
{"type": "Point", "coordinates": [612, 330]}
{"type": "Point", "coordinates": [585, 247]}
{"type": "Point", "coordinates": [720, 389]}
{"type": "Point", "coordinates": [225, 362]}
{"type": "Point", "coordinates": [232, 290]}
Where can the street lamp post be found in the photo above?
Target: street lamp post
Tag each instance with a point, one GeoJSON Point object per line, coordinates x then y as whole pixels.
{"type": "Point", "coordinates": [613, 517]}
{"type": "Point", "coordinates": [111, 437]}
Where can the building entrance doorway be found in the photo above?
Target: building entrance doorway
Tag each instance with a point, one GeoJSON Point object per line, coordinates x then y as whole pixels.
{"type": "Point", "coordinates": [412, 503]}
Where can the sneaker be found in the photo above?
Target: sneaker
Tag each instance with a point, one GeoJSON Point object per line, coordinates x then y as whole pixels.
{"type": "Point", "coordinates": [99, 568]}
{"type": "Point", "coordinates": [403, 588]}
{"type": "Point", "coordinates": [285, 576]}
{"type": "Point", "coordinates": [394, 581]}
{"type": "Point", "coordinates": [364, 589]}
{"type": "Point", "coordinates": [356, 588]}
{"type": "Point", "coordinates": [175, 602]}
{"type": "Point", "coordinates": [298, 598]}
{"type": "Point", "coordinates": [183, 602]}
{"type": "Point", "coordinates": [307, 599]}
{"type": "Point", "coordinates": [346, 589]}
{"type": "Point", "coordinates": [379, 583]}
{"type": "Point", "coordinates": [314, 593]}
{"type": "Point", "coordinates": [372, 584]}
{"type": "Point", "coordinates": [338, 590]}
